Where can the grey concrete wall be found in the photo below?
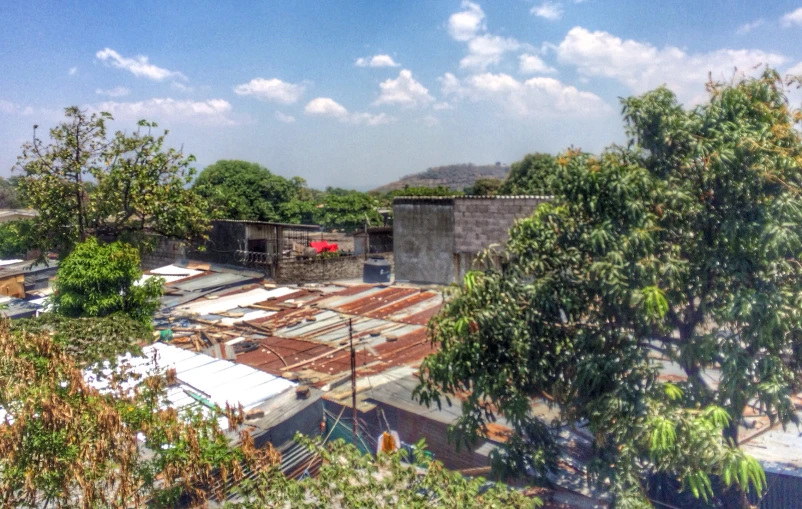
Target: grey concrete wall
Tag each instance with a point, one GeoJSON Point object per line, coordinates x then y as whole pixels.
{"type": "Point", "coordinates": [480, 222]}
{"type": "Point", "coordinates": [423, 240]}
{"type": "Point", "coordinates": [436, 240]}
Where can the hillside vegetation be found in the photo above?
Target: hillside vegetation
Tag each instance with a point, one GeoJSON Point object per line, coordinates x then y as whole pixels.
{"type": "Point", "coordinates": [454, 176]}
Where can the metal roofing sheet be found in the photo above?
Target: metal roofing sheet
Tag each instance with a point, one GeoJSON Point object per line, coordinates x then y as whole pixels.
{"type": "Point", "coordinates": [221, 304]}
{"type": "Point", "coordinates": [778, 450]}
{"type": "Point", "coordinates": [212, 280]}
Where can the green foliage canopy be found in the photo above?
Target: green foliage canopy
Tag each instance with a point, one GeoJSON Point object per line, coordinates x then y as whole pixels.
{"type": "Point", "coordinates": [139, 186]}
{"type": "Point", "coordinates": [97, 280]}
{"type": "Point", "coordinates": [243, 190]}
{"type": "Point", "coordinates": [685, 244]}
{"type": "Point", "coordinates": [531, 175]}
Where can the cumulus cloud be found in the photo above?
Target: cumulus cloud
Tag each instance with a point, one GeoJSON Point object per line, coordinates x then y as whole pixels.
{"type": "Point", "coordinates": [138, 66]}
{"type": "Point", "coordinates": [113, 92]}
{"type": "Point", "coordinates": [533, 64]}
{"type": "Point", "coordinates": [793, 18]}
{"type": "Point", "coordinates": [467, 23]}
{"type": "Point", "coordinates": [442, 106]}
{"type": "Point", "coordinates": [376, 61]}
{"type": "Point", "coordinates": [283, 117]}
{"type": "Point", "coordinates": [641, 66]}
{"type": "Point", "coordinates": [272, 90]}
{"type": "Point", "coordinates": [486, 50]}
{"type": "Point", "coordinates": [370, 119]}
{"type": "Point", "coordinates": [209, 112]}
{"type": "Point", "coordinates": [538, 96]}
{"type": "Point", "coordinates": [73, 71]}
{"type": "Point", "coordinates": [548, 10]}
{"type": "Point", "coordinates": [795, 70]}
{"type": "Point", "coordinates": [327, 107]}
{"type": "Point", "coordinates": [748, 27]}
{"type": "Point", "coordinates": [403, 91]}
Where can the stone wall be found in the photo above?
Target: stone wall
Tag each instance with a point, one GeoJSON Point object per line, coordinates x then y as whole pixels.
{"type": "Point", "coordinates": [321, 270]}
{"type": "Point", "coordinates": [423, 240]}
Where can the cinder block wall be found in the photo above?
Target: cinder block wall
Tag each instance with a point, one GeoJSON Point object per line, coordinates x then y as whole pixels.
{"type": "Point", "coordinates": [320, 270]}
{"type": "Point", "coordinates": [436, 239]}
{"type": "Point", "coordinates": [423, 240]}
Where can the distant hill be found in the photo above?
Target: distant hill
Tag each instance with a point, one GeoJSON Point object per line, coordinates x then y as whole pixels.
{"type": "Point", "coordinates": [455, 176]}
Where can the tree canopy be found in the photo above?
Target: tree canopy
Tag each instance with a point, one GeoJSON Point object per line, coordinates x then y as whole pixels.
{"type": "Point", "coordinates": [97, 280]}
{"type": "Point", "coordinates": [243, 190]}
{"type": "Point", "coordinates": [84, 183]}
{"type": "Point", "coordinates": [485, 187]}
{"type": "Point", "coordinates": [531, 175]}
{"type": "Point", "coordinates": [682, 246]}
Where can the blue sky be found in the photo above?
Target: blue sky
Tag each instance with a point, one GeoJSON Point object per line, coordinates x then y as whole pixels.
{"type": "Point", "coordinates": [359, 93]}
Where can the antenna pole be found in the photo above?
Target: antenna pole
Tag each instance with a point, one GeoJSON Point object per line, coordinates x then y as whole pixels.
{"type": "Point", "coordinates": [353, 375]}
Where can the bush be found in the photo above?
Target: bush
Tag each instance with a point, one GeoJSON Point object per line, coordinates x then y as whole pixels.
{"type": "Point", "coordinates": [98, 280]}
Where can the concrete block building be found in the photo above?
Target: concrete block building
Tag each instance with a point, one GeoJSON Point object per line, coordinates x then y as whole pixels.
{"type": "Point", "coordinates": [436, 239]}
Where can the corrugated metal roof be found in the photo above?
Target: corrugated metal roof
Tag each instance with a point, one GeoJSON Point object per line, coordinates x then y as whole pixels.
{"type": "Point", "coordinates": [778, 450]}
{"type": "Point", "coordinates": [219, 380]}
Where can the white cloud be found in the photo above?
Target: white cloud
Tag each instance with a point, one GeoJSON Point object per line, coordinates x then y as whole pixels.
{"type": "Point", "coordinates": [430, 120]}
{"type": "Point", "coordinates": [181, 87]}
{"type": "Point", "coordinates": [283, 117]}
{"type": "Point", "coordinates": [403, 91]}
{"type": "Point", "coordinates": [327, 107]}
{"type": "Point", "coordinates": [532, 64]}
{"type": "Point", "coordinates": [113, 92]}
{"type": "Point", "coordinates": [793, 18]}
{"type": "Point", "coordinates": [377, 61]}
{"type": "Point", "coordinates": [209, 112]}
{"type": "Point", "coordinates": [73, 71]}
{"type": "Point", "coordinates": [272, 90]}
{"type": "Point", "coordinates": [370, 119]}
{"type": "Point", "coordinates": [795, 70]}
{"type": "Point", "coordinates": [748, 27]}
{"type": "Point", "coordinates": [442, 106]}
{"type": "Point", "coordinates": [548, 10]}
{"type": "Point", "coordinates": [487, 50]}
{"type": "Point", "coordinates": [138, 66]}
{"type": "Point", "coordinates": [468, 23]}
{"type": "Point", "coordinates": [641, 66]}
{"type": "Point", "coordinates": [534, 97]}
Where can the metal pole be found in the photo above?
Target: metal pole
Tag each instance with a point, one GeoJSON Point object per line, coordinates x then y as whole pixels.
{"type": "Point", "coordinates": [353, 375]}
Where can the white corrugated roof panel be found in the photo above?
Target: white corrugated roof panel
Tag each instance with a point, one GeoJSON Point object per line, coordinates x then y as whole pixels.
{"type": "Point", "coordinates": [219, 305]}
{"type": "Point", "coordinates": [223, 381]}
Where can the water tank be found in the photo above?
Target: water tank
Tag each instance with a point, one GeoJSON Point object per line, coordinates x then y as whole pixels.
{"type": "Point", "coordinates": [376, 270]}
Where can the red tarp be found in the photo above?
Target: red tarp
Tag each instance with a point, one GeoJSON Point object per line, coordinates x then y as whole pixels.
{"type": "Point", "coordinates": [322, 246]}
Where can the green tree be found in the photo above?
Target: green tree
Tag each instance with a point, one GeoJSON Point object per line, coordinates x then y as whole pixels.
{"type": "Point", "coordinates": [243, 190]}
{"type": "Point", "coordinates": [685, 244]}
{"type": "Point", "coordinates": [9, 196]}
{"type": "Point", "coordinates": [97, 280]}
{"type": "Point", "coordinates": [531, 175]}
{"type": "Point", "coordinates": [349, 479]}
{"type": "Point", "coordinates": [15, 238]}
{"type": "Point", "coordinates": [349, 211]}
{"type": "Point", "coordinates": [485, 187]}
{"type": "Point", "coordinates": [139, 186]}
